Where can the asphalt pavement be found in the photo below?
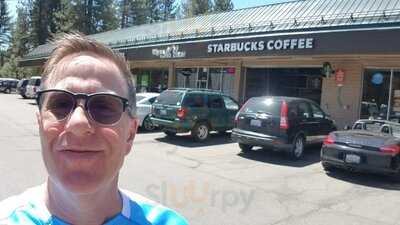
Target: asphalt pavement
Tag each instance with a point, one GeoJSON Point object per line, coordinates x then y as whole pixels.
{"type": "Point", "coordinates": [213, 183]}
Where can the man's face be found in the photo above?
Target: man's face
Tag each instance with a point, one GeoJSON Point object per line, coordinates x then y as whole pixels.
{"type": "Point", "coordinates": [81, 155]}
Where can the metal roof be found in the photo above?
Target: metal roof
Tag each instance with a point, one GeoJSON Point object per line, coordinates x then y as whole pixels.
{"type": "Point", "coordinates": [291, 16]}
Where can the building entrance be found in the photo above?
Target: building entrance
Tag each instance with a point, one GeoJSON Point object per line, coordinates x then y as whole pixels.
{"type": "Point", "coordinates": [291, 82]}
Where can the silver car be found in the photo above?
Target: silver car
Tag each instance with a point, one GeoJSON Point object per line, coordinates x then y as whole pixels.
{"type": "Point", "coordinates": [144, 103]}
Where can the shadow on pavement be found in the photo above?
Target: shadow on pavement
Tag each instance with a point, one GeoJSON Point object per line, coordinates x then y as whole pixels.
{"type": "Point", "coordinates": [187, 140]}
{"type": "Point", "coordinates": [311, 156]}
{"type": "Point", "coordinates": [365, 179]}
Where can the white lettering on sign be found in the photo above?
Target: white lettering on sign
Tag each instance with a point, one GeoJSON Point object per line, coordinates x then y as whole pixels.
{"type": "Point", "coordinates": [169, 52]}
{"type": "Point", "coordinates": [270, 45]}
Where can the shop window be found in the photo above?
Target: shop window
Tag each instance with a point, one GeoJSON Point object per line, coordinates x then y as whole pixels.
{"type": "Point", "coordinates": [291, 82]}
{"type": "Point", "coordinates": [221, 79]}
{"type": "Point", "coordinates": [151, 80]}
{"type": "Point", "coordinates": [381, 95]}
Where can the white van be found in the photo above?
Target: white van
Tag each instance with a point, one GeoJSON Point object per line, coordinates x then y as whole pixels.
{"type": "Point", "coordinates": [33, 86]}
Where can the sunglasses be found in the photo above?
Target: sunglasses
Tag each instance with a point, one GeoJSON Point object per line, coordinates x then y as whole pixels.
{"type": "Point", "coordinates": [103, 108]}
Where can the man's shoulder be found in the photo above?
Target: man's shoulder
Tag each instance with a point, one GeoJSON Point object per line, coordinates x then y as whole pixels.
{"type": "Point", "coordinates": [143, 209]}
{"type": "Point", "coordinates": [19, 206]}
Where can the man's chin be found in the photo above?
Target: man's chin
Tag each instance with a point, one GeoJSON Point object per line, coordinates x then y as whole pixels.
{"type": "Point", "coordinates": [81, 183]}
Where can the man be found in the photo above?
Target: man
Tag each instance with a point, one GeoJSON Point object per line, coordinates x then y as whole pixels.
{"type": "Point", "coordinates": [87, 126]}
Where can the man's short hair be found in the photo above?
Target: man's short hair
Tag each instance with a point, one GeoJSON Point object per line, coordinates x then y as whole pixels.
{"type": "Point", "coordinates": [73, 43]}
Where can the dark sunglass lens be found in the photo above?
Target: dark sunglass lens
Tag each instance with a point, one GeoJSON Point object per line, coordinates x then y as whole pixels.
{"type": "Point", "coordinates": [57, 103]}
{"type": "Point", "coordinates": [105, 109]}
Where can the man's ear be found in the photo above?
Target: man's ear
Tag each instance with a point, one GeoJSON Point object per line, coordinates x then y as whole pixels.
{"type": "Point", "coordinates": [132, 133]}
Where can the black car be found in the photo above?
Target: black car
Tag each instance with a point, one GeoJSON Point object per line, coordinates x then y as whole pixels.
{"type": "Point", "coordinates": [370, 146]}
{"type": "Point", "coordinates": [281, 123]}
{"type": "Point", "coordinates": [21, 87]}
{"type": "Point", "coordinates": [8, 85]}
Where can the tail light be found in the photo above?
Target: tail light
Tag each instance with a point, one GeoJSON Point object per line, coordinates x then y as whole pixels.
{"type": "Point", "coordinates": [181, 113]}
{"type": "Point", "coordinates": [284, 124]}
{"type": "Point", "coordinates": [329, 140]}
{"type": "Point", "coordinates": [390, 149]}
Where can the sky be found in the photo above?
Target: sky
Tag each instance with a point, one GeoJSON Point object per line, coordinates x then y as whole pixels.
{"type": "Point", "coordinates": [239, 4]}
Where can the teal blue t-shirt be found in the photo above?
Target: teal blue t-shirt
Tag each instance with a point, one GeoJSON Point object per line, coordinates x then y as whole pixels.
{"type": "Point", "coordinates": [30, 209]}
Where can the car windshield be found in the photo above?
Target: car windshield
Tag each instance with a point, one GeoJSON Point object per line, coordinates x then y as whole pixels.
{"type": "Point", "coordinates": [262, 105]}
{"type": "Point", "coordinates": [170, 98]}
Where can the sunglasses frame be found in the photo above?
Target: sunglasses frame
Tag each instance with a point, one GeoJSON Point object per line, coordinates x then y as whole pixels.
{"type": "Point", "coordinates": [86, 97]}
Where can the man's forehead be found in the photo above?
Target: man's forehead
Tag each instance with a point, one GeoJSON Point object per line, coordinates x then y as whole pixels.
{"type": "Point", "coordinates": [88, 72]}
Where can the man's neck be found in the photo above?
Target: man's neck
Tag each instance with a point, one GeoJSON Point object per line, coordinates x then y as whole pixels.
{"type": "Point", "coordinates": [94, 208]}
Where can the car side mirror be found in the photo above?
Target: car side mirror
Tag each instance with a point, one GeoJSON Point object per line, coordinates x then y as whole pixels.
{"type": "Point", "coordinates": [347, 127]}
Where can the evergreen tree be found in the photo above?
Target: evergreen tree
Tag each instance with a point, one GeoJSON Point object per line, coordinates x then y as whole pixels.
{"type": "Point", "coordinates": [223, 5]}
{"type": "Point", "coordinates": [168, 10]}
{"type": "Point", "coordinates": [4, 30]}
{"type": "Point", "coordinates": [65, 18]}
{"type": "Point", "coordinates": [192, 8]}
{"type": "Point", "coordinates": [105, 15]}
{"type": "Point", "coordinates": [153, 8]}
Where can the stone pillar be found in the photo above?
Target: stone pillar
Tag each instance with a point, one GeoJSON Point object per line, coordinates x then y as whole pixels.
{"type": "Point", "coordinates": [171, 75]}
{"type": "Point", "coordinates": [239, 78]}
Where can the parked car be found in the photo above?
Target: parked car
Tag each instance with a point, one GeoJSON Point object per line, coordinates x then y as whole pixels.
{"type": "Point", "coordinates": [370, 146]}
{"type": "Point", "coordinates": [196, 110]}
{"type": "Point", "coordinates": [144, 103]}
{"type": "Point", "coordinates": [33, 87]}
{"type": "Point", "coordinates": [282, 124]}
{"type": "Point", "coordinates": [8, 85]}
{"type": "Point", "coordinates": [21, 87]}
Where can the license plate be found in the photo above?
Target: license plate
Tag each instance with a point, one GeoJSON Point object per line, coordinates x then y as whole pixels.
{"type": "Point", "coordinates": [256, 123]}
{"type": "Point", "coordinates": [351, 158]}
{"type": "Point", "coordinates": [163, 112]}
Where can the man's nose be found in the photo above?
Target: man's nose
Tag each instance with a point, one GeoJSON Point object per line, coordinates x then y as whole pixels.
{"type": "Point", "coordinates": [78, 123]}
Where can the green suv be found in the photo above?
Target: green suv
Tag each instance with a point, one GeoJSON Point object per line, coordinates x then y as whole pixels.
{"type": "Point", "coordinates": [199, 111]}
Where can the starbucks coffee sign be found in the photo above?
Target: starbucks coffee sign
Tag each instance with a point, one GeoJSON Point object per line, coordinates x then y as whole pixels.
{"type": "Point", "coordinates": [262, 45]}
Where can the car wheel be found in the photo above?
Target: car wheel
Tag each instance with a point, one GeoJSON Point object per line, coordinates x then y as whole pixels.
{"type": "Point", "coordinates": [148, 124]}
{"type": "Point", "coordinates": [327, 167]}
{"type": "Point", "coordinates": [245, 148]}
{"type": "Point", "coordinates": [298, 147]}
{"type": "Point", "coordinates": [8, 91]}
{"type": "Point", "coordinates": [200, 131]}
{"type": "Point", "coordinates": [170, 133]}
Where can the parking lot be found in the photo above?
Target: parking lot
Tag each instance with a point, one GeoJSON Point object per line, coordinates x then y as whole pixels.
{"type": "Point", "coordinates": [213, 183]}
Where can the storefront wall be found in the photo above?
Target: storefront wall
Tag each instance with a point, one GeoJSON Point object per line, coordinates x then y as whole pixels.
{"type": "Point", "coordinates": [343, 103]}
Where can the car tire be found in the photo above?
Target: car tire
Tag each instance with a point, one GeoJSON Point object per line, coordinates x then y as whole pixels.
{"type": "Point", "coordinates": [297, 150]}
{"type": "Point", "coordinates": [245, 148]}
{"type": "Point", "coordinates": [7, 91]}
{"type": "Point", "coordinates": [327, 167]}
{"type": "Point", "coordinates": [148, 124]}
{"type": "Point", "coordinates": [200, 132]}
{"type": "Point", "coordinates": [170, 133]}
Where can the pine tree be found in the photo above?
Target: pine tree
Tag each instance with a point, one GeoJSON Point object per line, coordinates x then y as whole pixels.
{"type": "Point", "coordinates": [168, 10]}
{"type": "Point", "coordinates": [223, 5]}
{"type": "Point", "coordinates": [153, 8]}
{"type": "Point", "coordinates": [65, 19]}
{"type": "Point", "coordinates": [192, 8]}
{"type": "Point", "coordinates": [4, 29]}
{"type": "Point", "coordinates": [105, 15]}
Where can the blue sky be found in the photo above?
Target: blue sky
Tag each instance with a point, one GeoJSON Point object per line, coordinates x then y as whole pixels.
{"type": "Point", "coordinates": [239, 4]}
